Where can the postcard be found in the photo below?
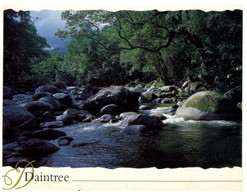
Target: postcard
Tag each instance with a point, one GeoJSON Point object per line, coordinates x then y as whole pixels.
{"type": "Point", "coordinates": [122, 97]}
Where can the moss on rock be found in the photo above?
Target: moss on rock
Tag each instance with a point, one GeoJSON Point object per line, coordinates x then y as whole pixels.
{"type": "Point", "coordinates": [208, 105]}
{"type": "Point", "coordinates": [210, 102]}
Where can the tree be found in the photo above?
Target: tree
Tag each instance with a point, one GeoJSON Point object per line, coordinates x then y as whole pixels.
{"type": "Point", "coordinates": [176, 44]}
{"type": "Point", "coordinates": [137, 30]}
{"type": "Point", "coordinates": [22, 47]}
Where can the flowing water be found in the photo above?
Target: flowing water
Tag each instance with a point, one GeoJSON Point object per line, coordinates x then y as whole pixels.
{"type": "Point", "coordinates": [179, 144]}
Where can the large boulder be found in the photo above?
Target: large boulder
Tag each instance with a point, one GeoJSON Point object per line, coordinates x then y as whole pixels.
{"type": "Point", "coordinates": [38, 108]}
{"type": "Point", "coordinates": [151, 122]}
{"type": "Point", "coordinates": [208, 105]}
{"type": "Point", "coordinates": [119, 95]}
{"type": "Point", "coordinates": [38, 148]}
{"type": "Point", "coordinates": [17, 116]}
{"type": "Point", "coordinates": [47, 88]}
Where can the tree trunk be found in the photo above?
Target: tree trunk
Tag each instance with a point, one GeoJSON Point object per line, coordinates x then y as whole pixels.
{"type": "Point", "coordinates": [161, 68]}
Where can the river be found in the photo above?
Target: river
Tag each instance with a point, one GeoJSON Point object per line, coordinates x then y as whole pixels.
{"type": "Point", "coordinates": [206, 144]}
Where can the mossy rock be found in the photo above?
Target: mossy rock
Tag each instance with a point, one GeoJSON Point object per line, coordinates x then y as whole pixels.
{"type": "Point", "coordinates": [208, 105]}
{"type": "Point", "coordinates": [209, 102]}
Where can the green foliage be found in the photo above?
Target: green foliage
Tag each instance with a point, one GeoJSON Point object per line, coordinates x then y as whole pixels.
{"type": "Point", "coordinates": [148, 85]}
{"type": "Point", "coordinates": [22, 47]}
{"type": "Point", "coordinates": [158, 83]}
{"type": "Point", "coordinates": [54, 68]}
{"type": "Point", "coordinates": [123, 46]}
{"type": "Point", "coordinates": [201, 46]}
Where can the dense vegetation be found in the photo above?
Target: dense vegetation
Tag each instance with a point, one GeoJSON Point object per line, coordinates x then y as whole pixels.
{"type": "Point", "coordinates": [23, 48]}
{"type": "Point", "coordinates": [129, 46]}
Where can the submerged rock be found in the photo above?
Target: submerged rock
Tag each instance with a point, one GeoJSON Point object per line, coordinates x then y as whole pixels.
{"type": "Point", "coordinates": [208, 105]}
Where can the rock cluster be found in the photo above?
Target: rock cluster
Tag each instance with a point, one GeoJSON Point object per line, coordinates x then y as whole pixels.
{"type": "Point", "coordinates": [29, 119]}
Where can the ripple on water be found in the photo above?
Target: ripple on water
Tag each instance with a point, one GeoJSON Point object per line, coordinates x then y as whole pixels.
{"type": "Point", "coordinates": [173, 119]}
{"type": "Point", "coordinates": [180, 144]}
